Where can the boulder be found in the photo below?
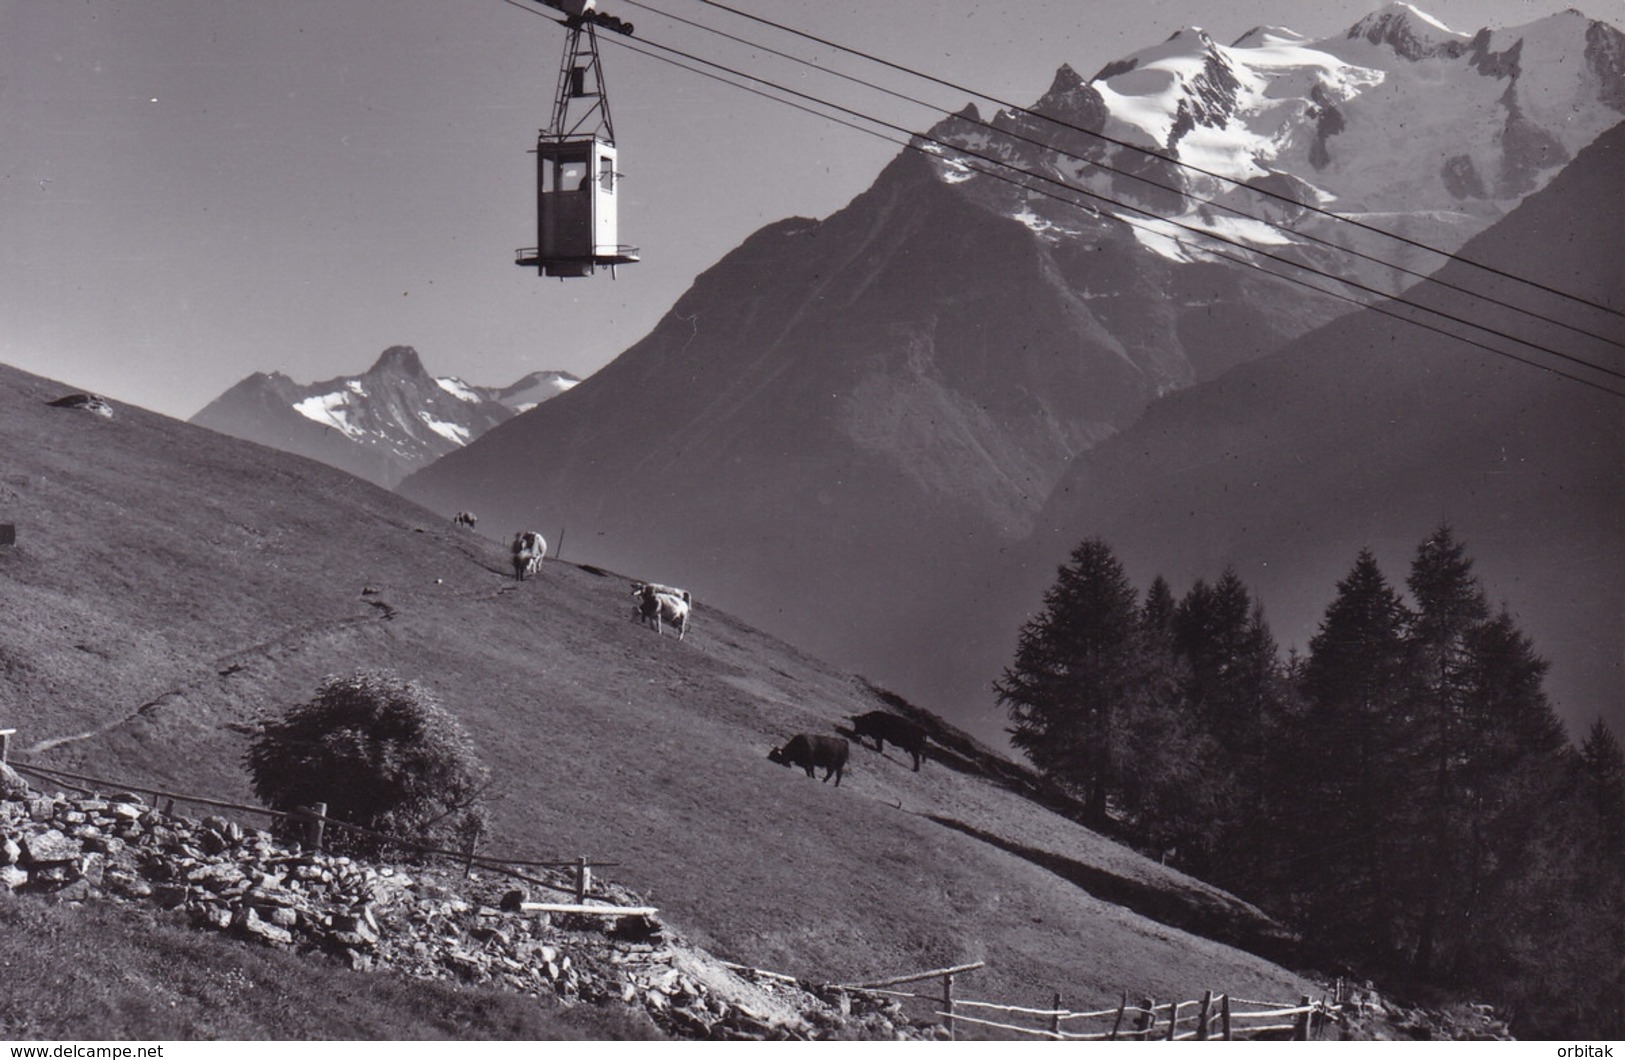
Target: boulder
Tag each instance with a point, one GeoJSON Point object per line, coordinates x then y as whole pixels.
{"type": "Point", "coordinates": [49, 847]}
{"type": "Point", "coordinates": [12, 785]}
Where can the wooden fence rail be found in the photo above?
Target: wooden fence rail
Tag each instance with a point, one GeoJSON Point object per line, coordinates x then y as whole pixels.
{"type": "Point", "coordinates": [1211, 1017]}
{"type": "Point", "coordinates": [947, 976]}
{"type": "Point", "coordinates": [316, 820]}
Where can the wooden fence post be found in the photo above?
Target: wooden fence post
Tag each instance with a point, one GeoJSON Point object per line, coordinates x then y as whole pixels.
{"type": "Point", "coordinates": [1173, 1018]}
{"type": "Point", "coordinates": [1224, 1018]}
{"type": "Point", "coordinates": [316, 827]}
{"type": "Point", "coordinates": [1055, 1016]}
{"type": "Point", "coordinates": [948, 1004]}
{"type": "Point", "coordinates": [583, 879]}
{"type": "Point", "coordinates": [1204, 1016]}
{"type": "Point", "coordinates": [1148, 1018]}
{"type": "Point", "coordinates": [1117, 1024]}
{"type": "Point", "coordinates": [5, 740]}
{"type": "Point", "coordinates": [1300, 1030]}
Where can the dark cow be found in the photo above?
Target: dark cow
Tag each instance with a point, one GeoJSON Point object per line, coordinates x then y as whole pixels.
{"type": "Point", "coordinates": [811, 751]}
{"type": "Point", "coordinates": [883, 726]}
{"type": "Point", "coordinates": [529, 548]}
{"type": "Point", "coordinates": [468, 519]}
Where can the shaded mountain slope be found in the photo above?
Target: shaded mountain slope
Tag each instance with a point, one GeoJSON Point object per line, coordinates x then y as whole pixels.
{"type": "Point", "coordinates": [890, 393]}
{"type": "Point", "coordinates": [1373, 431]}
{"type": "Point", "coordinates": [169, 585]}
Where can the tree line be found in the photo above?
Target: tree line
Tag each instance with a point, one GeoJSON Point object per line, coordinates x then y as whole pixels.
{"type": "Point", "coordinates": [1403, 794]}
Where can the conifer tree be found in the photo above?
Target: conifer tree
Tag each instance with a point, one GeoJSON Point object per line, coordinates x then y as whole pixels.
{"type": "Point", "coordinates": [1173, 784]}
{"type": "Point", "coordinates": [1509, 877]}
{"type": "Point", "coordinates": [1350, 783]}
{"type": "Point", "coordinates": [1077, 666]}
{"type": "Point", "coordinates": [1602, 786]}
{"type": "Point", "coordinates": [1233, 690]}
{"type": "Point", "coordinates": [1450, 604]}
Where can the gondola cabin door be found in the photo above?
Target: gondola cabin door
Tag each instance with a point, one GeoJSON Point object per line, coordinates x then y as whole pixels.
{"type": "Point", "coordinates": [575, 208]}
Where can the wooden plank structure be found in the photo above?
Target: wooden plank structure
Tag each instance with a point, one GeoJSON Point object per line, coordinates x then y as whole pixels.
{"type": "Point", "coordinates": [588, 910]}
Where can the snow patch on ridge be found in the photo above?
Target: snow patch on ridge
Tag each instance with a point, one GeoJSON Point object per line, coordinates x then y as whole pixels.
{"type": "Point", "coordinates": [457, 388]}
{"type": "Point", "coordinates": [454, 433]}
{"type": "Point", "coordinates": [331, 410]}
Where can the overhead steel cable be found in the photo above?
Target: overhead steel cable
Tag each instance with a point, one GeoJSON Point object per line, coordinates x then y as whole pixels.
{"type": "Point", "coordinates": [1192, 229]}
{"type": "Point", "coordinates": [1001, 164]}
{"type": "Point", "coordinates": [722, 80]}
{"type": "Point", "coordinates": [1142, 178]}
{"type": "Point", "coordinates": [1240, 184]}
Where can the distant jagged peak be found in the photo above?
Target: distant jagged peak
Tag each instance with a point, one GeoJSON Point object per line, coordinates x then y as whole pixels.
{"type": "Point", "coordinates": [1411, 32]}
{"type": "Point", "coordinates": [398, 360]}
{"type": "Point", "coordinates": [1067, 79]}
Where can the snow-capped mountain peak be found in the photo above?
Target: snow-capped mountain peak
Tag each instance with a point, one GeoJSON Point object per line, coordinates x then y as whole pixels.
{"type": "Point", "coordinates": [1410, 32]}
{"type": "Point", "coordinates": [382, 424]}
{"type": "Point", "coordinates": [1401, 120]}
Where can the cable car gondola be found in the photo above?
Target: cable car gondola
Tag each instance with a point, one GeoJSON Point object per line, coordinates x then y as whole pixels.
{"type": "Point", "coordinates": [576, 177]}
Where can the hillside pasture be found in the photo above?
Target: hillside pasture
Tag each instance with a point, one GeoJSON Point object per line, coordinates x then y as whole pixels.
{"type": "Point", "coordinates": [170, 586]}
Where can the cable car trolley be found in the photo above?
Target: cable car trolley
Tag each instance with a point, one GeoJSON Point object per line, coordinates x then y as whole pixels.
{"type": "Point", "coordinates": [576, 177]}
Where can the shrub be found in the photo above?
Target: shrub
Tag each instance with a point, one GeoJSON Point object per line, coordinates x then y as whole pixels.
{"type": "Point", "coordinates": [382, 753]}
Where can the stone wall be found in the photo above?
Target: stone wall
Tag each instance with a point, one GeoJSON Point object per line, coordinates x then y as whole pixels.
{"type": "Point", "coordinates": [413, 919]}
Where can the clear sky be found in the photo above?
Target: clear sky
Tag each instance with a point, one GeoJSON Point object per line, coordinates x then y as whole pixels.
{"type": "Point", "coordinates": [191, 191]}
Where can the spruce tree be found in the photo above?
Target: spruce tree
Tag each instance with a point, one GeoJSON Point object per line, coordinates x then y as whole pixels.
{"type": "Point", "coordinates": [1232, 689]}
{"type": "Point", "coordinates": [1077, 666]}
{"type": "Point", "coordinates": [1349, 783]}
{"type": "Point", "coordinates": [1174, 786]}
{"type": "Point", "coordinates": [1602, 786]}
{"type": "Point", "coordinates": [1450, 604]}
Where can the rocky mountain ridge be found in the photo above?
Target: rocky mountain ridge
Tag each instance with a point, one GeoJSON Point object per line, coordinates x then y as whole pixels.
{"type": "Point", "coordinates": [380, 425]}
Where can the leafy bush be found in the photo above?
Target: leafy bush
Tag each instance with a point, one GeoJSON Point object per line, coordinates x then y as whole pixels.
{"type": "Point", "coordinates": [382, 753]}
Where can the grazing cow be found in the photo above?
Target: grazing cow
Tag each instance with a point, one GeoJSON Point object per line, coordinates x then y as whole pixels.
{"type": "Point", "coordinates": [529, 549]}
{"type": "Point", "coordinates": [656, 608]}
{"type": "Point", "coordinates": [468, 519]}
{"type": "Point", "coordinates": [883, 726]}
{"type": "Point", "coordinates": [664, 590]}
{"type": "Point", "coordinates": [809, 752]}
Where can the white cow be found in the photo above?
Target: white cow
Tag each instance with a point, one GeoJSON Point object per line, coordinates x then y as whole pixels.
{"type": "Point", "coordinates": [657, 608]}
{"type": "Point", "coordinates": [638, 589]}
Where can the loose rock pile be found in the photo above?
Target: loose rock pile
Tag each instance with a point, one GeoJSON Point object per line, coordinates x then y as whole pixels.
{"type": "Point", "coordinates": [1370, 1016]}
{"type": "Point", "coordinates": [414, 920]}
